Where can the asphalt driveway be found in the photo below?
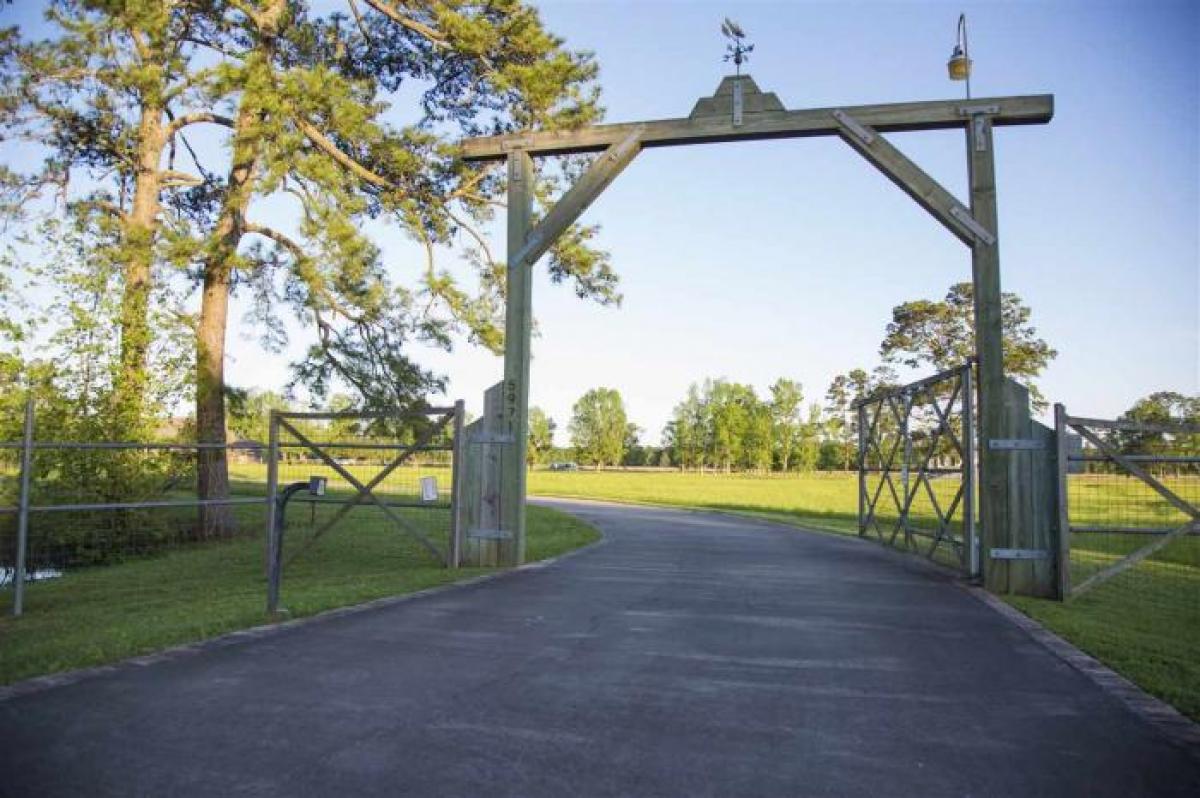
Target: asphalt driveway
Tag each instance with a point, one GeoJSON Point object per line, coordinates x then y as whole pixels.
{"type": "Point", "coordinates": [688, 655]}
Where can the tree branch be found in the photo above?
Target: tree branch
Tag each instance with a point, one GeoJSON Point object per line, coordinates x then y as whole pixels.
{"type": "Point", "coordinates": [104, 205]}
{"type": "Point", "coordinates": [173, 179]}
{"type": "Point", "coordinates": [324, 144]}
{"type": "Point", "coordinates": [394, 15]}
{"type": "Point", "coordinates": [362, 27]}
{"type": "Point", "coordinates": [181, 122]}
{"type": "Point", "coordinates": [278, 237]}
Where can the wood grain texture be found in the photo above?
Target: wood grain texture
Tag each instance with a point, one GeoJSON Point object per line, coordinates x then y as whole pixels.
{"type": "Point", "coordinates": [887, 118]}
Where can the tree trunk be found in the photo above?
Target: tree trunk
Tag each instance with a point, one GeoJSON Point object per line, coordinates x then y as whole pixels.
{"type": "Point", "coordinates": [213, 464]}
{"type": "Point", "coordinates": [129, 385]}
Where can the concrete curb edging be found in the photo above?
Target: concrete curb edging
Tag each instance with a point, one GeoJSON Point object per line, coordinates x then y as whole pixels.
{"type": "Point", "coordinates": [1168, 721]}
{"type": "Point", "coordinates": [39, 684]}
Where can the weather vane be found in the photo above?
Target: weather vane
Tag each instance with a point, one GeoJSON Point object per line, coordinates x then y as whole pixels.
{"type": "Point", "coordinates": [737, 50]}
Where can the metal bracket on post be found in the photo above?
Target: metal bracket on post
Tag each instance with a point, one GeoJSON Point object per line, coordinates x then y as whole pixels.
{"type": "Point", "coordinates": [851, 124]}
{"type": "Point", "coordinates": [980, 123]}
{"type": "Point", "coordinates": [968, 221]}
{"type": "Point", "coordinates": [737, 102]}
{"type": "Point", "coordinates": [1016, 444]}
{"type": "Point", "coordinates": [489, 534]}
{"type": "Point", "coordinates": [1019, 554]}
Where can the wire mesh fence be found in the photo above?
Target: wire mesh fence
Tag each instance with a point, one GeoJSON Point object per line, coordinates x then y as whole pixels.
{"type": "Point", "coordinates": [916, 481]}
{"type": "Point", "coordinates": [1132, 505]}
{"type": "Point", "coordinates": [118, 531]}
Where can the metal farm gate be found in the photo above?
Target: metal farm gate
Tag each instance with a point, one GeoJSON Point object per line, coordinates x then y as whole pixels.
{"type": "Point", "coordinates": [367, 492]}
{"type": "Point", "coordinates": [1129, 503]}
{"type": "Point", "coordinates": [916, 473]}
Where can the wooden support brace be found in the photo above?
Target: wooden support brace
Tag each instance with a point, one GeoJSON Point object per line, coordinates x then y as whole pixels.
{"type": "Point", "coordinates": [577, 199]}
{"type": "Point", "coordinates": [912, 180]}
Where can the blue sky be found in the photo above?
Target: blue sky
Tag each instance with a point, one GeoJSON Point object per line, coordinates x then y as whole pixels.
{"type": "Point", "coordinates": [766, 259]}
{"type": "Point", "coordinates": [784, 258]}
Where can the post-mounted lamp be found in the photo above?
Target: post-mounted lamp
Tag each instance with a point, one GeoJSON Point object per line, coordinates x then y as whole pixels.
{"type": "Point", "coordinates": [959, 65]}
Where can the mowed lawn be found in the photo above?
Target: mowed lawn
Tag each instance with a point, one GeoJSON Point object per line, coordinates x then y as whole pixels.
{"type": "Point", "coordinates": [97, 615]}
{"type": "Point", "coordinates": [823, 500]}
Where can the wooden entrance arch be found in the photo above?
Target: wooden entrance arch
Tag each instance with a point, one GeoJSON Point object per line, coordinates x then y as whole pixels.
{"type": "Point", "coordinates": [740, 111]}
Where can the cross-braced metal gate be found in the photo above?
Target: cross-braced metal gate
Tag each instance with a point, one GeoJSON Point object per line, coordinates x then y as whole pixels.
{"type": "Point", "coordinates": [366, 462]}
{"type": "Point", "coordinates": [1129, 507]}
{"type": "Point", "coordinates": [916, 474]}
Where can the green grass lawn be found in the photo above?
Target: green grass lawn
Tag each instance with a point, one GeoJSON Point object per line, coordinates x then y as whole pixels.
{"type": "Point", "coordinates": [102, 614]}
{"type": "Point", "coordinates": [826, 501]}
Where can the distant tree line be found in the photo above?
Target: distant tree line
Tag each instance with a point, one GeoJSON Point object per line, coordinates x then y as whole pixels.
{"type": "Point", "coordinates": [727, 426]}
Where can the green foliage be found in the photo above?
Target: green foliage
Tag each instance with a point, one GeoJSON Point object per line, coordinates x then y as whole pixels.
{"type": "Point", "coordinates": [942, 335]}
{"type": "Point", "coordinates": [59, 351]}
{"type": "Point", "coordinates": [841, 418]}
{"type": "Point", "coordinates": [721, 424]}
{"type": "Point", "coordinates": [599, 428]}
{"type": "Point", "coordinates": [116, 95]}
{"type": "Point", "coordinates": [541, 436]}
{"type": "Point", "coordinates": [1165, 408]}
{"type": "Point", "coordinates": [100, 615]}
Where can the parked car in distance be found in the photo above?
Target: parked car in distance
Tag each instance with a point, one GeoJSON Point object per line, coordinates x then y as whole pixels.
{"type": "Point", "coordinates": [564, 467]}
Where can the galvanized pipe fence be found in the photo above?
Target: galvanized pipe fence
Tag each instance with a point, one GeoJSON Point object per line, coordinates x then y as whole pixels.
{"type": "Point", "coordinates": [71, 511]}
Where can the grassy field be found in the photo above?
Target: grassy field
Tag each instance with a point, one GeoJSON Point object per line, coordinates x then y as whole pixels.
{"type": "Point", "coordinates": [98, 615]}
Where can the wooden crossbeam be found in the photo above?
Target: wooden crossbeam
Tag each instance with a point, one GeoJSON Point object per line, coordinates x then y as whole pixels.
{"type": "Point", "coordinates": [577, 199]}
{"type": "Point", "coordinates": [886, 118]}
{"type": "Point", "coordinates": [911, 179]}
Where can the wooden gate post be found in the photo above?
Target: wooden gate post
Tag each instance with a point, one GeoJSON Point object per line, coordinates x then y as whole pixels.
{"type": "Point", "coordinates": [518, 322]}
{"type": "Point", "coordinates": [989, 350]}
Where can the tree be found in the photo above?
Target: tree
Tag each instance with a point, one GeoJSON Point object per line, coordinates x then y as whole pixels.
{"type": "Point", "coordinates": [942, 335]}
{"type": "Point", "coordinates": [808, 451]}
{"type": "Point", "coordinates": [786, 399]}
{"type": "Point", "coordinates": [98, 99]}
{"type": "Point", "coordinates": [732, 410]}
{"type": "Point", "coordinates": [687, 433]}
{"type": "Point", "coordinates": [844, 392]}
{"type": "Point", "coordinates": [599, 427]}
{"type": "Point", "coordinates": [302, 99]}
{"type": "Point", "coordinates": [541, 436]}
{"type": "Point", "coordinates": [1161, 407]}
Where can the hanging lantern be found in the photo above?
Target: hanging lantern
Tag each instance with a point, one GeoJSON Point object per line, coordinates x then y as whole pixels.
{"type": "Point", "coordinates": [959, 65]}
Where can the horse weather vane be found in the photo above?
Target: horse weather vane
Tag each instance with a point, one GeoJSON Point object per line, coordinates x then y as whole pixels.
{"type": "Point", "coordinates": [737, 50]}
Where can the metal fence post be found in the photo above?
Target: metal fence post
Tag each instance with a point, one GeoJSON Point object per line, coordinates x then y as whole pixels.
{"type": "Point", "coordinates": [906, 436]}
{"type": "Point", "coordinates": [274, 561]}
{"type": "Point", "coordinates": [457, 466]}
{"type": "Point", "coordinates": [23, 511]}
{"type": "Point", "coordinates": [1063, 517]}
{"type": "Point", "coordinates": [970, 534]}
{"type": "Point", "coordinates": [862, 470]}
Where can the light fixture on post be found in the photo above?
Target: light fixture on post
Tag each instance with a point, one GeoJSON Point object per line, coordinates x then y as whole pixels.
{"type": "Point", "coordinates": [959, 65]}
